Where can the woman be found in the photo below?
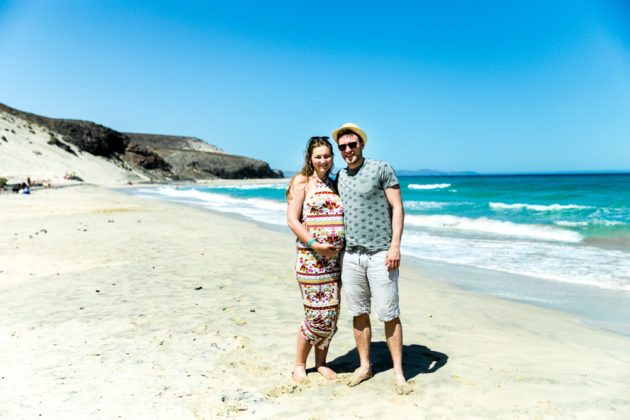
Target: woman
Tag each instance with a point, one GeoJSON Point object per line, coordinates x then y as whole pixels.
{"type": "Point", "coordinates": [315, 215]}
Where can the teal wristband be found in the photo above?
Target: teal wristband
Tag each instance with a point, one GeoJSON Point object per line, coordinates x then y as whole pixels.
{"type": "Point", "coordinates": [308, 245]}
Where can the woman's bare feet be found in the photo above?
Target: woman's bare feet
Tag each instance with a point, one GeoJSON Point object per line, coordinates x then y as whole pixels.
{"type": "Point", "coordinates": [299, 374]}
{"type": "Point", "coordinates": [327, 372]}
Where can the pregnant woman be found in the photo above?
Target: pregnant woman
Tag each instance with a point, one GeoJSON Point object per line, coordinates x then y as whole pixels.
{"type": "Point", "coordinates": [315, 215]}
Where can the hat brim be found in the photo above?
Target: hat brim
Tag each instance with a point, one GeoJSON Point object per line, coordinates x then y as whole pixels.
{"type": "Point", "coordinates": [355, 130]}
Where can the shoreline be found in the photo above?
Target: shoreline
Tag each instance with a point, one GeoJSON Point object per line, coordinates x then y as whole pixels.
{"type": "Point", "coordinates": [562, 298]}
{"type": "Point", "coordinates": [102, 317]}
{"type": "Point", "coordinates": [544, 293]}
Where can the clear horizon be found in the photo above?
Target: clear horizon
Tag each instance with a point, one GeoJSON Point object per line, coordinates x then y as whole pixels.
{"type": "Point", "coordinates": [488, 87]}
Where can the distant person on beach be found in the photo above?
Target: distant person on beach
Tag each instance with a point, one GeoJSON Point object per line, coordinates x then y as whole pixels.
{"type": "Point", "coordinates": [315, 215]}
{"type": "Point", "coordinates": [373, 220]}
{"type": "Point", "coordinates": [21, 188]}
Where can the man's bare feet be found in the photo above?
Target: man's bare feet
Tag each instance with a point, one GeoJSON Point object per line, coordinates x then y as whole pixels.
{"type": "Point", "coordinates": [403, 389]}
{"type": "Point", "coordinates": [327, 372]}
{"type": "Point", "coordinates": [400, 384]}
{"type": "Point", "coordinates": [399, 378]}
{"type": "Point", "coordinates": [299, 374]}
{"type": "Point", "coordinates": [359, 376]}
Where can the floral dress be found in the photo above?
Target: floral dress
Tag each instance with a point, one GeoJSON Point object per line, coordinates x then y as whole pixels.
{"type": "Point", "coordinates": [318, 276]}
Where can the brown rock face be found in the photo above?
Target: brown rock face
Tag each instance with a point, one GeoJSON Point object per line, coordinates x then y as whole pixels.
{"type": "Point", "coordinates": [160, 157]}
{"type": "Point", "coordinates": [139, 155]}
{"type": "Point", "coordinates": [192, 158]}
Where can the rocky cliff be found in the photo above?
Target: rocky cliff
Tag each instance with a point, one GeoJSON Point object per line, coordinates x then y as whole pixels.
{"type": "Point", "coordinates": [192, 158]}
{"type": "Point", "coordinates": [156, 157]}
{"type": "Point", "coordinates": [89, 137]}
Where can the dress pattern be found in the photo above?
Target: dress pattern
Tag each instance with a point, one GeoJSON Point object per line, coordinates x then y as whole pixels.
{"type": "Point", "coordinates": [318, 276]}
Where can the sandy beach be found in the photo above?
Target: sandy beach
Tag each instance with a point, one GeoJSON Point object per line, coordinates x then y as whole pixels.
{"type": "Point", "coordinates": [117, 306]}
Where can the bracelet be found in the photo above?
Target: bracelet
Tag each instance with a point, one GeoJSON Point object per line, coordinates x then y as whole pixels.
{"type": "Point", "coordinates": [308, 245]}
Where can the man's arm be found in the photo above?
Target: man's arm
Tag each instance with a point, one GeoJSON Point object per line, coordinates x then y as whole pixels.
{"type": "Point", "coordinates": [392, 261]}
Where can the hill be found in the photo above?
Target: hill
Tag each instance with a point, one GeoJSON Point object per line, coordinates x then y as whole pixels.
{"type": "Point", "coordinates": [50, 149]}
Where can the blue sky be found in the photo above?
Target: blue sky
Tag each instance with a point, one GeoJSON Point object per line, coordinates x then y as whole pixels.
{"type": "Point", "coordinates": [488, 86]}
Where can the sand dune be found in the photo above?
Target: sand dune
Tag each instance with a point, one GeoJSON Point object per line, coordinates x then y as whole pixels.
{"type": "Point", "coordinates": [25, 152]}
{"type": "Point", "coordinates": [113, 305]}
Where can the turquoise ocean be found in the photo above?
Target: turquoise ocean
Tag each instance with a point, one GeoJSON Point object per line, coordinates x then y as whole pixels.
{"type": "Point", "coordinates": [557, 241]}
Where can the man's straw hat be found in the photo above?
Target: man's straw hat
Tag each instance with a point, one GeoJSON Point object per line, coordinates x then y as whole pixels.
{"type": "Point", "coordinates": [350, 127]}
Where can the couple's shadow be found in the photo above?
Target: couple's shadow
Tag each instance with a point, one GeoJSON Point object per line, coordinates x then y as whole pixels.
{"type": "Point", "coordinates": [416, 360]}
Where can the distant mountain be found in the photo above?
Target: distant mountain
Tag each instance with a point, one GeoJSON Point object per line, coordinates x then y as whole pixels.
{"type": "Point", "coordinates": [152, 157]}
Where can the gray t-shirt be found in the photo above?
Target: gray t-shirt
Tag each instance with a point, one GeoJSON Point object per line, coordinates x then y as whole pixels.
{"type": "Point", "coordinates": [367, 213]}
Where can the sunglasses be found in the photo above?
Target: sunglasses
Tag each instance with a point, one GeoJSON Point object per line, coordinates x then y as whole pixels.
{"type": "Point", "coordinates": [318, 138]}
{"type": "Point", "coordinates": [352, 145]}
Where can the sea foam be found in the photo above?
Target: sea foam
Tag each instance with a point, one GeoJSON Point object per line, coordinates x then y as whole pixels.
{"type": "Point", "coordinates": [567, 223]}
{"type": "Point", "coordinates": [558, 262]}
{"type": "Point", "coordinates": [428, 186]}
{"type": "Point", "coordinates": [537, 207]}
{"type": "Point", "coordinates": [424, 205]}
{"type": "Point", "coordinates": [494, 227]}
{"type": "Point", "coordinates": [258, 209]}
{"type": "Point", "coordinates": [274, 186]}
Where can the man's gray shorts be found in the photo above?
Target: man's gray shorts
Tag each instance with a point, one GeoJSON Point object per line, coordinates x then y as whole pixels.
{"type": "Point", "coordinates": [365, 278]}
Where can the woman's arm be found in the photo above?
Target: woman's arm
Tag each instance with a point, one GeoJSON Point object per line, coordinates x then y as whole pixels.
{"type": "Point", "coordinates": [297, 195]}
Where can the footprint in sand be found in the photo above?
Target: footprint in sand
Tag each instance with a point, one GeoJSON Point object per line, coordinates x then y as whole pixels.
{"type": "Point", "coordinates": [283, 389]}
{"type": "Point", "coordinates": [235, 408]}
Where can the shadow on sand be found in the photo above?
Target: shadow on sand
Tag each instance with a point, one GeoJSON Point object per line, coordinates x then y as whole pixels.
{"type": "Point", "coordinates": [416, 360]}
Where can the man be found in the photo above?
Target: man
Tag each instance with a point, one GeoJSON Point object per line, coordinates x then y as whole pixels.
{"type": "Point", "coordinates": [373, 221]}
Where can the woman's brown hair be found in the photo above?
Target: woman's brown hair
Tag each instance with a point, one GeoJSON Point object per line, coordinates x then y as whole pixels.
{"type": "Point", "coordinates": [308, 170]}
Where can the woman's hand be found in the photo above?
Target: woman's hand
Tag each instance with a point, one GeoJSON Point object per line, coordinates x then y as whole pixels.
{"type": "Point", "coordinates": [326, 250]}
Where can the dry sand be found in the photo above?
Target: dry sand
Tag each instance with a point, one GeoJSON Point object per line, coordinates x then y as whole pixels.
{"type": "Point", "coordinates": [114, 306]}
